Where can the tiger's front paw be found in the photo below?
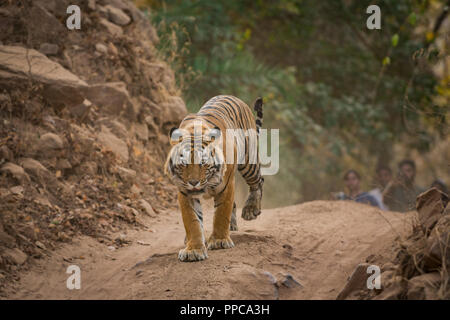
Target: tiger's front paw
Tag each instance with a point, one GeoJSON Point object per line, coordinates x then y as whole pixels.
{"type": "Point", "coordinates": [250, 211]}
{"type": "Point", "coordinates": [189, 255]}
{"type": "Point", "coordinates": [214, 243]}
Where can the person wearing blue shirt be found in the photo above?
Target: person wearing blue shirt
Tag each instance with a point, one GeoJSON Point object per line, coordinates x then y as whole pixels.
{"type": "Point", "coordinates": [352, 181]}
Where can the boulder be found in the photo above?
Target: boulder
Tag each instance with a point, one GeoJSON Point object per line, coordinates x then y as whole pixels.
{"type": "Point", "coordinates": [6, 154]}
{"type": "Point", "coordinates": [116, 145]}
{"type": "Point", "coordinates": [60, 85]}
{"type": "Point", "coordinates": [81, 110]}
{"type": "Point", "coordinates": [141, 131]}
{"type": "Point", "coordinates": [356, 282]}
{"type": "Point", "coordinates": [173, 110]}
{"type": "Point", "coordinates": [112, 29]}
{"type": "Point", "coordinates": [112, 97]}
{"type": "Point", "coordinates": [45, 26]}
{"type": "Point", "coordinates": [117, 16]}
{"type": "Point", "coordinates": [127, 175]}
{"type": "Point", "coordinates": [15, 255]}
{"type": "Point", "coordinates": [91, 5]}
{"type": "Point", "coordinates": [89, 168]}
{"type": "Point", "coordinates": [101, 48]}
{"type": "Point", "coordinates": [252, 283]}
{"type": "Point", "coordinates": [15, 171]}
{"type": "Point", "coordinates": [424, 287]}
{"type": "Point", "coordinates": [34, 168]}
{"type": "Point", "coordinates": [288, 281]}
{"type": "Point", "coordinates": [147, 208]}
{"type": "Point", "coordinates": [6, 240]}
{"type": "Point", "coordinates": [393, 292]}
{"type": "Point", "coordinates": [49, 48]}
{"type": "Point", "coordinates": [50, 142]}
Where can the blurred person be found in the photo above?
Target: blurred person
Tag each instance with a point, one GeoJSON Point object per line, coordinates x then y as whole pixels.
{"type": "Point", "coordinates": [440, 185]}
{"type": "Point", "coordinates": [352, 181]}
{"type": "Point", "coordinates": [383, 177]}
{"type": "Point", "coordinates": [401, 193]}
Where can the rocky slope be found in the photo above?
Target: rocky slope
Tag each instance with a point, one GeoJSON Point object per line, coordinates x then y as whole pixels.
{"type": "Point", "coordinates": [84, 116]}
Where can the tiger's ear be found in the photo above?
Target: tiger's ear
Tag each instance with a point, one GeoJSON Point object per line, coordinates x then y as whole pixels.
{"type": "Point", "coordinates": [214, 134]}
{"type": "Point", "coordinates": [175, 136]}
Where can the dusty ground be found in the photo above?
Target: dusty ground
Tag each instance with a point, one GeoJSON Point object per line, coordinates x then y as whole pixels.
{"type": "Point", "coordinates": [318, 243]}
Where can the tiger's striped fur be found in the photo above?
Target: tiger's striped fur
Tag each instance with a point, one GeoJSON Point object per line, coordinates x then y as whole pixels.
{"type": "Point", "coordinates": [213, 176]}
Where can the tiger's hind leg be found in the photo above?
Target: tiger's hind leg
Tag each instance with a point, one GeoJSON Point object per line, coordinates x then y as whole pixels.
{"type": "Point", "coordinates": [233, 222]}
{"type": "Point", "coordinates": [252, 175]}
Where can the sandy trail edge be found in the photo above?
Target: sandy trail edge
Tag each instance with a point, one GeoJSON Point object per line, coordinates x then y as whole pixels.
{"type": "Point", "coordinates": [319, 243]}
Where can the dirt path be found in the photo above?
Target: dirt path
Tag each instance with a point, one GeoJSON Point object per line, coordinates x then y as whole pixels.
{"type": "Point", "coordinates": [318, 243]}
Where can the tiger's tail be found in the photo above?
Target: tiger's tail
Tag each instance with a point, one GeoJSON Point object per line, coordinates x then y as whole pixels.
{"type": "Point", "coordinates": [258, 107]}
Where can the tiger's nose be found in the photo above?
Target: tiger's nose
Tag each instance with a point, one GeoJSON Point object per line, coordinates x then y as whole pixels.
{"type": "Point", "coordinates": [193, 182]}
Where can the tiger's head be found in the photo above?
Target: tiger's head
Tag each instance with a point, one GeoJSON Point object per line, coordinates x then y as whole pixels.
{"type": "Point", "coordinates": [195, 163]}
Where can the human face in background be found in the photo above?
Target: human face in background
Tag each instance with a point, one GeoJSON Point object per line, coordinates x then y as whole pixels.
{"type": "Point", "coordinates": [384, 176]}
{"type": "Point", "coordinates": [408, 173]}
{"type": "Point", "coordinates": [352, 182]}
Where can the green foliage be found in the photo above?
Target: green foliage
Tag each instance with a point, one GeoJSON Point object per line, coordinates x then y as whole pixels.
{"type": "Point", "coordinates": [341, 94]}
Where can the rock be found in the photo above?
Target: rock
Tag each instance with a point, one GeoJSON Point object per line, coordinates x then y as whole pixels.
{"type": "Point", "coordinates": [147, 208]}
{"type": "Point", "coordinates": [111, 97]}
{"type": "Point", "coordinates": [89, 167]}
{"type": "Point", "coordinates": [6, 103]}
{"type": "Point", "coordinates": [6, 240]}
{"type": "Point", "coordinates": [143, 243]}
{"type": "Point", "coordinates": [438, 245]}
{"type": "Point", "coordinates": [430, 206]}
{"type": "Point", "coordinates": [5, 153]}
{"type": "Point", "coordinates": [117, 16]}
{"type": "Point", "coordinates": [17, 190]}
{"type": "Point", "coordinates": [27, 229]}
{"type": "Point", "coordinates": [174, 110]}
{"type": "Point", "coordinates": [40, 245]}
{"type": "Point", "coordinates": [116, 127]}
{"type": "Point", "coordinates": [63, 164]}
{"type": "Point", "coordinates": [16, 172]}
{"type": "Point", "coordinates": [157, 72]}
{"type": "Point", "coordinates": [252, 283]}
{"type": "Point", "coordinates": [34, 167]}
{"type": "Point", "coordinates": [116, 145]}
{"type": "Point", "coordinates": [127, 175]}
{"type": "Point", "coordinates": [60, 85]}
{"type": "Point", "coordinates": [46, 27]}
{"type": "Point", "coordinates": [122, 239]}
{"type": "Point", "coordinates": [15, 255]}
{"type": "Point", "coordinates": [288, 281]}
{"type": "Point", "coordinates": [101, 48]}
{"type": "Point", "coordinates": [424, 287]}
{"type": "Point", "coordinates": [392, 292]}
{"type": "Point", "coordinates": [50, 142]}
{"type": "Point", "coordinates": [113, 29]}
{"type": "Point", "coordinates": [49, 48]}
{"type": "Point", "coordinates": [81, 110]}
{"type": "Point", "coordinates": [356, 282]}
{"type": "Point", "coordinates": [43, 201]}
{"type": "Point", "coordinates": [91, 5]}
{"type": "Point", "coordinates": [135, 190]}
{"type": "Point", "coordinates": [141, 131]}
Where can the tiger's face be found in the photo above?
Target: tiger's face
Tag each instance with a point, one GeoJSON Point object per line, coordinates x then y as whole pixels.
{"type": "Point", "coordinates": [195, 162]}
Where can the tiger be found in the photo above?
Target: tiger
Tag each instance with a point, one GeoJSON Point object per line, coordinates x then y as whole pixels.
{"type": "Point", "coordinates": [197, 164]}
